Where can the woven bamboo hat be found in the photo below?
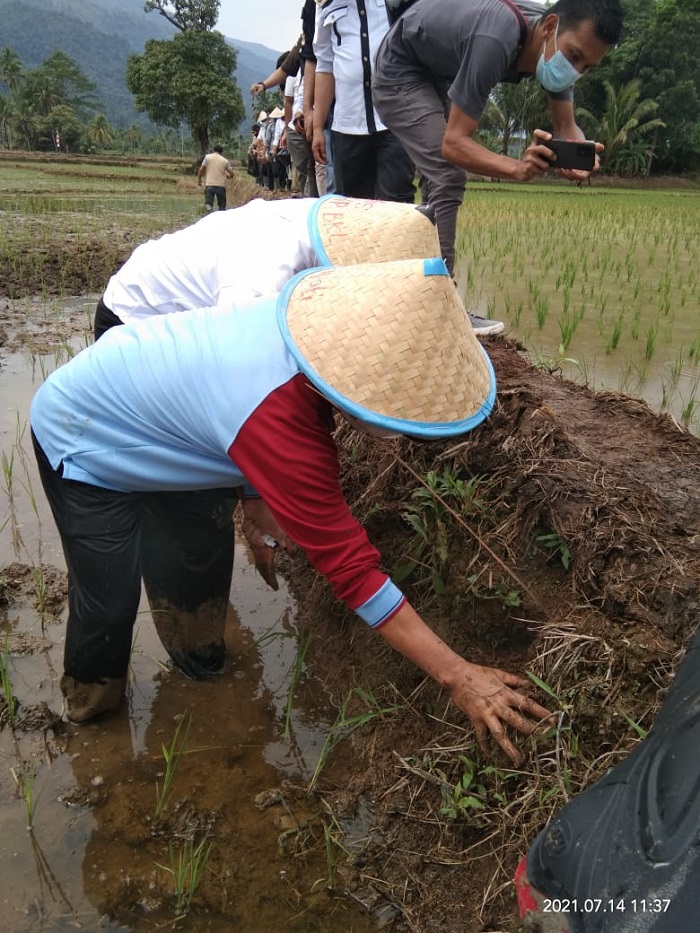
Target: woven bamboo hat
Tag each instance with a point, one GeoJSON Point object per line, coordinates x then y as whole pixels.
{"type": "Point", "coordinates": [277, 113]}
{"type": "Point", "coordinates": [346, 231]}
{"type": "Point", "coordinates": [391, 344]}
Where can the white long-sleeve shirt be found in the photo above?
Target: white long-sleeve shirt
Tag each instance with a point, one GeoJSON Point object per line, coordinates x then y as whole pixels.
{"type": "Point", "coordinates": [221, 260]}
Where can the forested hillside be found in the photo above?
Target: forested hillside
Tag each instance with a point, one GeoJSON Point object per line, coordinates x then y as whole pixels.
{"type": "Point", "coordinates": [100, 35]}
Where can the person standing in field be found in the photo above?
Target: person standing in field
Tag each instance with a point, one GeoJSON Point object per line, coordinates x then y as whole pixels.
{"type": "Point", "coordinates": [369, 160]}
{"type": "Point", "coordinates": [440, 61]}
{"type": "Point", "coordinates": [215, 168]}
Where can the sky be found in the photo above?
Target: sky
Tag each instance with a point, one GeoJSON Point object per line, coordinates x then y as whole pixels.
{"type": "Point", "coordinates": [274, 23]}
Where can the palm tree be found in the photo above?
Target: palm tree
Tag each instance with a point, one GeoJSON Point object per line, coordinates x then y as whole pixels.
{"type": "Point", "coordinates": [99, 131]}
{"type": "Point", "coordinates": [624, 119]}
{"type": "Point", "coordinates": [10, 69]}
{"type": "Point", "coordinates": [6, 114]}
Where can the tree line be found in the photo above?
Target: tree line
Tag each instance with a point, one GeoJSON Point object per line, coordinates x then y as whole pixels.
{"type": "Point", "coordinates": [643, 102]}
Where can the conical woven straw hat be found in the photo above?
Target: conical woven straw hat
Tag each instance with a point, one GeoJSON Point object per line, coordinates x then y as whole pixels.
{"type": "Point", "coordinates": [391, 344]}
{"type": "Point", "coordinates": [347, 231]}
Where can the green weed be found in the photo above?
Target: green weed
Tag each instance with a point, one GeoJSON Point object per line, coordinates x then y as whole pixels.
{"type": "Point", "coordinates": [430, 521]}
{"type": "Point", "coordinates": [555, 546]}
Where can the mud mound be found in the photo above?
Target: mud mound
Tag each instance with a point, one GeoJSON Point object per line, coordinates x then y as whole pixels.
{"type": "Point", "coordinates": [618, 483]}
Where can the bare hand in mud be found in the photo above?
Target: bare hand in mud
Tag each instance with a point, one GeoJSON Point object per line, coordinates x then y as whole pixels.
{"type": "Point", "coordinates": [263, 533]}
{"type": "Point", "coordinates": [488, 697]}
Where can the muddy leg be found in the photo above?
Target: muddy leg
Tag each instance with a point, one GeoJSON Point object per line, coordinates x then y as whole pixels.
{"type": "Point", "coordinates": [187, 563]}
{"type": "Point", "coordinates": [99, 531]}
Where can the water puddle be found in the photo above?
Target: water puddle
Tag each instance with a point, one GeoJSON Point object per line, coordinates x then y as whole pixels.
{"type": "Point", "coordinates": [97, 857]}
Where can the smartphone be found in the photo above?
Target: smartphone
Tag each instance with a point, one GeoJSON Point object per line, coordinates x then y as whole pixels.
{"type": "Point", "coordinates": [572, 153]}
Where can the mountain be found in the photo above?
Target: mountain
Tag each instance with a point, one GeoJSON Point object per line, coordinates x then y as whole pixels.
{"type": "Point", "coordinates": [100, 35]}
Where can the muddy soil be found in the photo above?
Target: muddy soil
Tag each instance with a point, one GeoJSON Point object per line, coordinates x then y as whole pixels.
{"type": "Point", "coordinates": [577, 557]}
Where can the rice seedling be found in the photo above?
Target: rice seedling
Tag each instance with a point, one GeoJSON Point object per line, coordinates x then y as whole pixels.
{"type": "Point", "coordinates": [615, 334]}
{"type": "Point", "coordinates": [346, 724]}
{"type": "Point", "coordinates": [651, 341]}
{"type": "Point", "coordinates": [172, 755]}
{"type": "Point", "coordinates": [25, 785]}
{"type": "Point", "coordinates": [187, 865]}
{"type": "Point", "coordinates": [6, 684]}
{"type": "Point", "coordinates": [567, 329]}
{"type": "Point", "coordinates": [303, 643]}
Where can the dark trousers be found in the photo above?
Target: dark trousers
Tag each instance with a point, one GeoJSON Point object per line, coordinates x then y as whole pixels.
{"type": "Point", "coordinates": [215, 191]}
{"type": "Point", "coordinates": [181, 543]}
{"type": "Point", "coordinates": [374, 166]}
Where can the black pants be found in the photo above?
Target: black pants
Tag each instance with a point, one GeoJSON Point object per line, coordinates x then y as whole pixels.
{"type": "Point", "coordinates": [180, 542]}
{"type": "Point", "coordinates": [215, 191]}
{"type": "Point", "coordinates": [374, 166]}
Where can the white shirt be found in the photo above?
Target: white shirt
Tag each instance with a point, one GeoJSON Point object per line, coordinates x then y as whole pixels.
{"type": "Point", "coordinates": [348, 34]}
{"type": "Point", "coordinates": [277, 135]}
{"type": "Point", "coordinates": [294, 88]}
{"type": "Point", "coordinates": [222, 260]}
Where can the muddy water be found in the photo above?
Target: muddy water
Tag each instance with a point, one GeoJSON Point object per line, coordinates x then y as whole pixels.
{"type": "Point", "coordinates": [96, 856]}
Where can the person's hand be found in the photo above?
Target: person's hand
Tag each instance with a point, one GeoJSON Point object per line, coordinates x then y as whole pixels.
{"type": "Point", "coordinates": [259, 522]}
{"type": "Point", "coordinates": [535, 160]}
{"type": "Point", "coordinates": [308, 124]}
{"type": "Point", "coordinates": [257, 88]}
{"type": "Point", "coordinates": [318, 146]}
{"type": "Point", "coordinates": [489, 698]}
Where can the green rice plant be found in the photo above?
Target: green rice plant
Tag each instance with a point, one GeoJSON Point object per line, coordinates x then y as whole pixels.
{"type": "Point", "coordinates": [303, 643]}
{"type": "Point", "coordinates": [541, 310]}
{"type": "Point", "coordinates": [187, 866]}
{"type": "Point", "coordinates": [25, 784]}
{"type": "Point", "coordinates": [172, 755]}
{"type": "Point", "coordinates": [345, 725]}
{"type": "Point", "coordinates": [6, 683]}
{"type": "Point", "coordinates": [651, 341]}
{"type": "Point", "coordinates": [615, 334]}
{"type": "Point", "coordinates": [690, 406]}
{"type": "Point", "coordinates": [567, 329]}
{"type": "Point", "coordinates": [8, 471]}
{"type": "Point", "coordinates": [634, 327]}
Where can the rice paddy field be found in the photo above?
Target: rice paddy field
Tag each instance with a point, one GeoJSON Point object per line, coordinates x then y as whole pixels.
{"type": "Point", "coordinates": [322, 784]}
{"type": "Point", "coordinates": [598, 283]}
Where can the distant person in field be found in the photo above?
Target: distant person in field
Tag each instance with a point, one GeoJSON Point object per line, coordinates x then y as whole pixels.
{"type": "Point", "coordinates": [216, 169]}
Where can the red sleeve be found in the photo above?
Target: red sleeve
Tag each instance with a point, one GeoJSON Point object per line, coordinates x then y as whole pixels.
{"type": "Point", "coordinates": [285, 450]}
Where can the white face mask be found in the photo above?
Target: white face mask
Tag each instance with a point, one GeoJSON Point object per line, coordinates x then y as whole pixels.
{"type": "Point", "coordinates": [558, 73]}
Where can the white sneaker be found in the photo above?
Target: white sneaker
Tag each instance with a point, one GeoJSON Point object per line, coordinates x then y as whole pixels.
{"type": "Point", "coordinates": [483, 327]}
